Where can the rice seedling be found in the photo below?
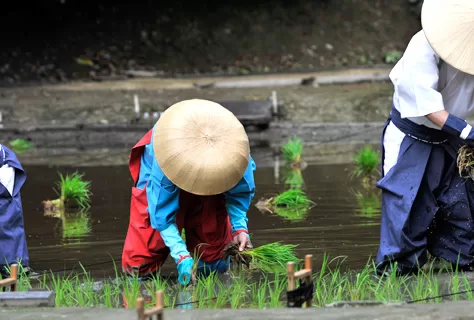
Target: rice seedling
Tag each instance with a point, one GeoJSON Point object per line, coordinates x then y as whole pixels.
{"type": "Point", "coordinates": [71, 188]}
{"type": "Point", "coordinates": [292, 205]}
{"type": "Point", "coordinates": [465, 162]}
{"type": "Point", "coordinates": [366, 161]}
{"type": "Point", "coordinates": [20, 145]}
{"type": "Point", "coordinates": [292, 198]}
{"type": "Point", "coordinates": [292, 151]}
{"type": "Point", "coordinates": [332, 283]}
{"type": "Point", "coordinates": [271, 257]}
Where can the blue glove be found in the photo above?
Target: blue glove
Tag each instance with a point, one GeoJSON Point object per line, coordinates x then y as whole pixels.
{"type": "Point", "coordinates": [458, 128]}
{"type": "Point", "coordinates": [172, 239]}
{"type": "Point", "coordinates": [185, 270]}
{"type": "Point", "coordinates": [179, 252]}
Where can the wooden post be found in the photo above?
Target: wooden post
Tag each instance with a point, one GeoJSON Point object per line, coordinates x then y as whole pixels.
{"type": "Point", "coordinates": [159, 304]}
{"type": "Point", "coordinates": [141, 308]}
{"type": "Point", "coordinates": [14, 276]}
{"type": "Point", "coordinates": [290, 268]}
{"type": "Point", "coordinates": [12, 280]}
{"type": "Point", "coordinates": [309, 266]}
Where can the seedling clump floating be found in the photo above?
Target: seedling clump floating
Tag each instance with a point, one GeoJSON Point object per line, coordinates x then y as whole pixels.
{"type": "Point", "coordinates": [292, 151]}
{"type": "Point", "coordinates": [71, 188]}
{"type": "Point", "coordinates": [366, 162]}
{"type": "Point", "coordinates": [271, 257]}
{"type": "Point", "coordinates": [20, 145]}
{"type": "Point", "coordinates": [292, 204]}
{"type": "Point", "coordinates": [292, 198]}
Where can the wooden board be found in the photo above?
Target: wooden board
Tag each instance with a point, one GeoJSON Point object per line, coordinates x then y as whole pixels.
{"type": "Point", "coordinates": [26, 299]}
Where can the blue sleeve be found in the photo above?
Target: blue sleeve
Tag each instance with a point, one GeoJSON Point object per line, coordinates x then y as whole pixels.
{"type": "Point", "coordinates": [162, 194]}
{"type": "Point", "coordinates": [238, 199]}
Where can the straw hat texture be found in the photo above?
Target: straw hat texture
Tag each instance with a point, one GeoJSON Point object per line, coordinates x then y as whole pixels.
{"type": "Point", "coordinates": [449, 28]}
{"type": "Point", "coordinates": [201, 147]}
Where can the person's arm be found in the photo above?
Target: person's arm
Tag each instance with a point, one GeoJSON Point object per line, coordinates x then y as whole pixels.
{"type": "Point", "coordinates": [416, 78]}
{"type": "Point", "coordinates": [163, 203]}
{"type": "Point", "coordinates": [239, 198]}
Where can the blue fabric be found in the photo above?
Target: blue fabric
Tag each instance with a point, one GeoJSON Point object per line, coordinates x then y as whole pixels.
{"type": "Point", "coordinates": [13, 247]}
{"type": "Point", "coordinates": [454, 126]}
{"type": "Point", "coordinates": [426, 205]}
{"type": "Point", "coordinates": [163, 195]}
{"type": "Point", "coordinates": [174, 242]}
{"type": "Point", "coordinates": [185, 270]}
{"type": "Point", "coordinates": [218, 266]}
{"type": "Point", "coordinates": [414, 130]}
{"type": "Point", "coordinates": [239, 198]}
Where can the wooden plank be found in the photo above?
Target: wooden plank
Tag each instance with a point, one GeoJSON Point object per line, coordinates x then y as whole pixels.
{"type": "Point", "coordinates": [303, 273]}
{"type": "Point", "coordinates": [250, 112]}
{"type": "Point", "coordinates": [25, 299]}
{"type": "Point", "coordinates": [7, 282]}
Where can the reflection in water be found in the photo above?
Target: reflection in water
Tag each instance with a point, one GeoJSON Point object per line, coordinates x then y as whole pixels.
{"type": "Point", "coordinates": [294, 178]}
{"type": "Point", "coordinates": [369, 203]}
{"type": "Point", "coordinates": [331, 226]}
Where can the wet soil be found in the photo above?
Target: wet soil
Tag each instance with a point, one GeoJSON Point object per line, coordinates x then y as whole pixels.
{"type": "Point", "coordinates": [56, 41]}
{"type": "Point", "coordinates": [334, 225]}
{"type": "Point", "coordinates": [35, 106]}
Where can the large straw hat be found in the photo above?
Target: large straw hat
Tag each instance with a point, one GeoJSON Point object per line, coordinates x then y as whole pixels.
{"type": "Point", "coordinates": [201, 147]}
{"type": "Point", "coordinates": [449, 28]}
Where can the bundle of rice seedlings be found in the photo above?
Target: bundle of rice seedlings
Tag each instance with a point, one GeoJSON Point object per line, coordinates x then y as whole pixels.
{"type": "Point", "coordinates": [367, 161]}
{"type": "Point", "coordinates": [292, 150]}
{"type": "Point", "coordinates": [20, 145]}
{"type": "Point", "coordinates": [292, 205]}
{"type": "Point", "coordinates": [291, 198]}
{"type": "Point", "coordinates": [465, 162]}
{"type": "Point", "coordinates": [270, 257]}
{"type": "Point", "coordinates": [72, 188]}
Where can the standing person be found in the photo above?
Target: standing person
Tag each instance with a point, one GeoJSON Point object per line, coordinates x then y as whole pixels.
{"type": "Point", "coordinates": [13, 248]}
{"type": "Point", "coordinates": [426, 205]}
{"type": "Point", "coordinates": [193, 170]}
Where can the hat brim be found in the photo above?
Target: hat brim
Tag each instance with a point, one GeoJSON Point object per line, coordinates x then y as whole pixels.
{"type": "Point", "coordinates": [448, 25]}
{"type": "Point", "coordinates": [201, 147]}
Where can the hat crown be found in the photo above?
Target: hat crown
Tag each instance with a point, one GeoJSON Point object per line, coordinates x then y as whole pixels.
{"type": "Point", "coordinates": [449, 28]}
{"type": "Point", "coordinates": [201, 147]}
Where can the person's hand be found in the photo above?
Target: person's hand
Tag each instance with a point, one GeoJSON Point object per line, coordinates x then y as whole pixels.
{"type": "Point", "coordinates": [243, 240]}
{"type": "Point", "coordinates": [185, 271]}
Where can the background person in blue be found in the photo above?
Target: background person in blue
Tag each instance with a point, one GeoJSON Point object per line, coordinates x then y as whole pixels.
{"type": "Point", "coordinates": [426, 205]}
{"type": "Point", "coordinates": [13, 249]}
{"type": "Point", "coordinates": [193, 170]}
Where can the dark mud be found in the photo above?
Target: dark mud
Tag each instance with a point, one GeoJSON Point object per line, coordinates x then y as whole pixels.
{"type": "Point", "coordinates": [335, 225]}
{"type": "Point", "coordinates": [56, 41]}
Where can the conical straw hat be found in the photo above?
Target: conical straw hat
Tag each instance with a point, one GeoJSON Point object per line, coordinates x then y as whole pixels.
{"type": "Point", "coordinates": [201, 147]}
{"type": "Point", "coordinates": [449, 28]}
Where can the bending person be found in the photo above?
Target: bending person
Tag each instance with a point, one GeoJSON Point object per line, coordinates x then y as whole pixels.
{"type": "Point", "coordinates": [192, 171]}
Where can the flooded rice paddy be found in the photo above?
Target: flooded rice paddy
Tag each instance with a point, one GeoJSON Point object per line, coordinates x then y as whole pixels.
{"type": "Point", "coordinates": [337, 224]}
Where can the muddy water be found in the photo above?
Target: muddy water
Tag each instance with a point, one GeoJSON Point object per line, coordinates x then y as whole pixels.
{"type": "Point", "coordinates": [333, 225]}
